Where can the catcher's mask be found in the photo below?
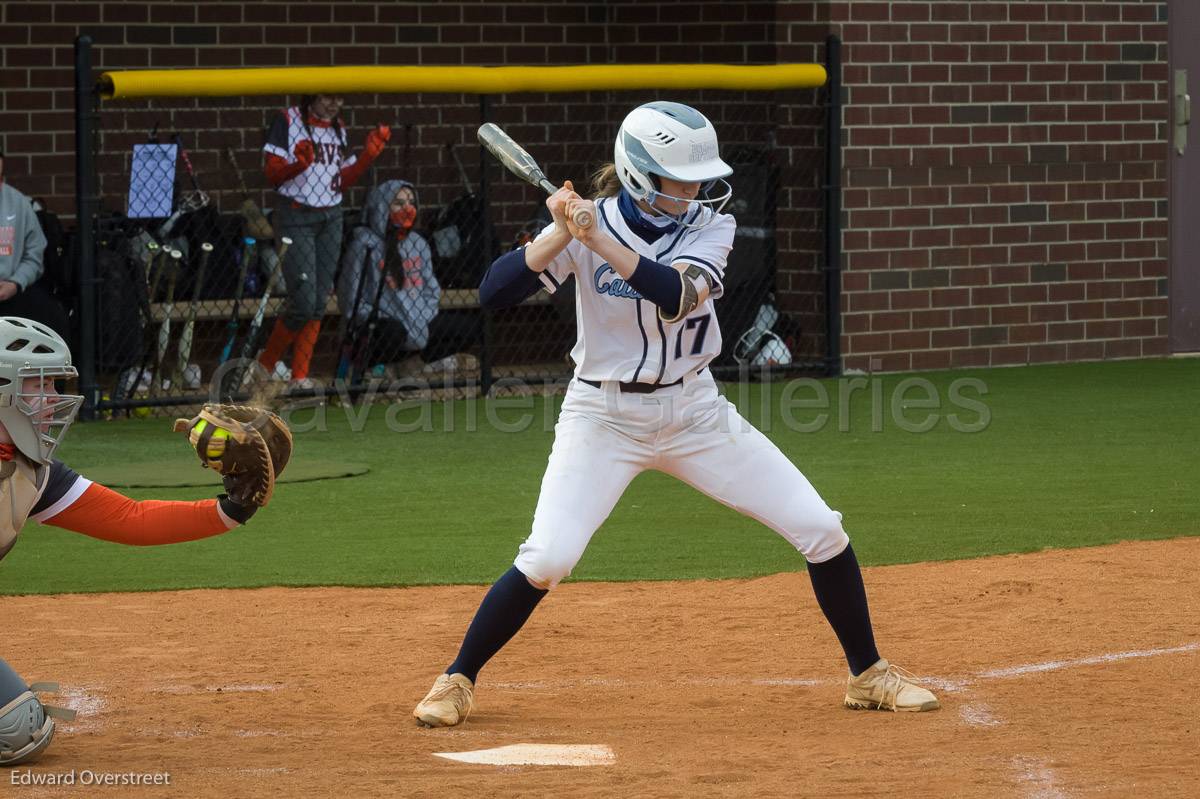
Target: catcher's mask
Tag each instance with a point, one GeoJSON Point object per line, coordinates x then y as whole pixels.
{"type": "Point", "coordinates": [36, 418]}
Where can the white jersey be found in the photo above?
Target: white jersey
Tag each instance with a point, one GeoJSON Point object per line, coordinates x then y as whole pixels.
{"type": "Point", "coordinates": [620, 335]}
{"type": "Point", "coordinates": [319, 186]}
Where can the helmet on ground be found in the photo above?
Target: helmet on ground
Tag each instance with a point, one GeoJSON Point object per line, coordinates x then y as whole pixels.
{"type": "Point", "coordinates": [774, 352]}
{"type": "Point", "coordinates": [760, 345]}
{"type": "Point", "coordinates": [671, 140]}
{"type": "Point", "coordinates": [31, 353]}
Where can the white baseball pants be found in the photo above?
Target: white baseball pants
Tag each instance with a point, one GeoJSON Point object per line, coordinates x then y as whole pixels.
{"type": "Point", "coordinates": [605, 438]}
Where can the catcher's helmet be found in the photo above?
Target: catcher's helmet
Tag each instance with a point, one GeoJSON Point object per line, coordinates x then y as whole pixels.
{"type": "Point", "coordinates": [672, 140]}
{"type": "Point", "coordinates": [35, 420]}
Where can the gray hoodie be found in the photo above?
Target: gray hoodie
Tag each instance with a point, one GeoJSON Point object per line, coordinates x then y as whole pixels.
{"type": "Point", "coordinates": [21, 239]}
{"type": "Point", "coordinates": [414, 302]}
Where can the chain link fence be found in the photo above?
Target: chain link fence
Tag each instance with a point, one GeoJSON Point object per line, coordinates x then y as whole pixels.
{"type": "Point", "coordinates": [247, 248]}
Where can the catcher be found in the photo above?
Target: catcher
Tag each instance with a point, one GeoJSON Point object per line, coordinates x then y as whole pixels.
{"type": "Point", "coordinates": [247, 446]}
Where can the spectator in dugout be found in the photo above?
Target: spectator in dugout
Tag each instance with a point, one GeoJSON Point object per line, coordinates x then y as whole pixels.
{"type": "Point", "coordinates": [410, 335]}
{"type": "Point", "coordinates": [307, 160]}
{"type": "Point", "coordinates": [22, 245]}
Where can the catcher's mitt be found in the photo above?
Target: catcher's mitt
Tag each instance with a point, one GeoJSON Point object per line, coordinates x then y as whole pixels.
{"type": "Point", "coordinates": [248, 446]}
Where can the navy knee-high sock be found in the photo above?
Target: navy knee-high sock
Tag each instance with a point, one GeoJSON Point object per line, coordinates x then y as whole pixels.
{"type": "Point", "coordinates": [838, 585]}
{"type": "Point", "coordinates": [503, 611]}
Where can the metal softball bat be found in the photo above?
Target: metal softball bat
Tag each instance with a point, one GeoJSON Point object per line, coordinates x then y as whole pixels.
{"type": "Point", "coordinates": [519, 162]}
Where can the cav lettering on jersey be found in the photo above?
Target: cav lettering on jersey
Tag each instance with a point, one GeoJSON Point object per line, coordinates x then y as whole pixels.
{"type": "Point", "coordinates": [327, 153]}
{"type": "Point", "coordinates": [607, 282]}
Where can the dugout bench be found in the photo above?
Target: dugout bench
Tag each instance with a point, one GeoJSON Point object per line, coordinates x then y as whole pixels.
{"type": "Point", "coordinates": [452, 300]}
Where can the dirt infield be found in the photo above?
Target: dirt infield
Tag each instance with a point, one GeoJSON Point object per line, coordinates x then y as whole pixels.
{"type": "Point", "coordinates": [1062, 674]}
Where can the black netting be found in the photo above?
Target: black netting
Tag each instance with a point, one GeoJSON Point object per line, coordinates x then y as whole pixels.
{"type": "Point", "coordinates": [201, 198]}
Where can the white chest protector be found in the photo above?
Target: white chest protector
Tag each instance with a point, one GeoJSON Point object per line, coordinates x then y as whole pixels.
{"type": "Point", "coordinates": [21, 485]}
{"type": "Point", "coordinates": [620, 335]}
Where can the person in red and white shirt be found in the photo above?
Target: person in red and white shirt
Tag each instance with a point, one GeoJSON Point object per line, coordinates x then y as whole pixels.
{"type": "Point", "coordinates": [307, 160]}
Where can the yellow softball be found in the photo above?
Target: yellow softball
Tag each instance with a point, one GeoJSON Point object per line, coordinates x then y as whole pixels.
{"type": "Point", "coordinates": [216, 444]}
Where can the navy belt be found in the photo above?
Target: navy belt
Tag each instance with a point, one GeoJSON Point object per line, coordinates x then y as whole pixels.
{"type": "Point", "coordinates": [635, 388]}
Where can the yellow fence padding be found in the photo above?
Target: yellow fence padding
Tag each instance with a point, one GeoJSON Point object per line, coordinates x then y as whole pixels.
{"type": "Point", "coordinates": [477, 80]}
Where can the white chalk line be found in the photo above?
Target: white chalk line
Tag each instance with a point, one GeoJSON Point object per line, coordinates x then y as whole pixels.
{"type": "Point", "coordinates": [1056, 665]}
{"type": "Point", "coordinates": [1037, 778]}
{"type": "Point", "coordinates": [979, 715]}
{"type": "Point", "coordinates": [88, 702]}
{"type": "Point", "coordinates": [1112, 657]}
{"type": "Point", "coordinates": [159, 732]}
{"type": "Point", "coordinates": [85, 700]}
{"type": "Point", "coordinates": [942, 683]}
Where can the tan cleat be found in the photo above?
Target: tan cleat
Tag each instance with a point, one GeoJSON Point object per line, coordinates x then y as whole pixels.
{"type": "Point", "coordinates": [449, 702]}
{"type": "Point", "coordinates": [888, 687]}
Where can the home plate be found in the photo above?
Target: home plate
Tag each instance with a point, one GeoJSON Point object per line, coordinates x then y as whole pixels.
{"type": "Point", "coordinates": [537, 755]}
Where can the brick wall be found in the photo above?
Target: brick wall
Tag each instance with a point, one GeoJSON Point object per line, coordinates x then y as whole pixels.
{"type": "Point", "coordinates": [36, 118]}
{"type": "Point", "coordinates": [36, 114]}
{"type": "Point", "coordinates": [1004, 182]}
{"type": "Point", "coordinates": [1004, 161]}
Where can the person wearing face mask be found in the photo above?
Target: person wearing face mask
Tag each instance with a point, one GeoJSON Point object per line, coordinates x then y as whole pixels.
{"type": "Point", "coordinates": [308, 161]}
{"type": "Point", "coordinates": [385, 246]}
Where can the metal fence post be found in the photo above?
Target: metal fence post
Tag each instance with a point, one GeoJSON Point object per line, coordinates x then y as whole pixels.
{"type": "Point", "coordinates": [833, 206]}
{"type": "Point", "coordinates": [85, 210]}
{"type": "Point", "coordinates": [485, 355]}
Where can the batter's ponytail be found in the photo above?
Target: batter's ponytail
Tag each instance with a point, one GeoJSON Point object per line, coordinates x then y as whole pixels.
{"type": "Point", "coordinates": [605, 182]}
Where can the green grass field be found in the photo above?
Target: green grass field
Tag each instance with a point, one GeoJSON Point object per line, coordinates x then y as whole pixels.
{"type": "Point", "coordinates": [1071, 456]}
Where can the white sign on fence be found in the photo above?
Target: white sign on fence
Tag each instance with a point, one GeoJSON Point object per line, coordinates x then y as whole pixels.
{"type": "Point", "coordinates": [152, 181]}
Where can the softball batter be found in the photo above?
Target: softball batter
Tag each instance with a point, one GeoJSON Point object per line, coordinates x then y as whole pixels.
{"type": "Point", "coordinates": [642, 397]}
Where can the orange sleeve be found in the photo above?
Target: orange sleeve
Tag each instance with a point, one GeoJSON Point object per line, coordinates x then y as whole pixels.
{"type": "Point", "coordinates": [103, 513]}
{"type": "Point", "coordinates": [351, 174]}
{"type": "Point", "coordinates": [279, 171]}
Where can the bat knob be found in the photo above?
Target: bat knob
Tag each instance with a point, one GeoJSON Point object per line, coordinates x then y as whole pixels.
{"type": "Point", "coordinates": [582, 218]}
